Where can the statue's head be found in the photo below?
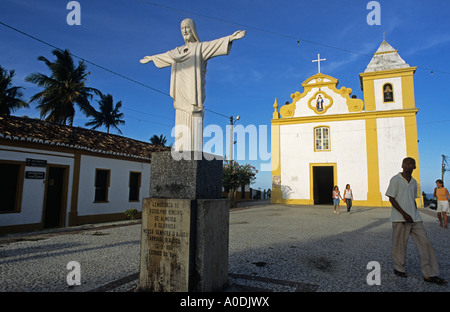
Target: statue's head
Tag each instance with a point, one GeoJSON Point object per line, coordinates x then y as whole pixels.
{"type": "Point", "coordinates": [189, 31]}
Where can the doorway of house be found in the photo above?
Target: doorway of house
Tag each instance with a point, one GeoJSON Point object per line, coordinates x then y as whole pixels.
{"type": "Point", "coordinates": [55, 197]}
{"type": "Point", "coordinates": [323, 183]}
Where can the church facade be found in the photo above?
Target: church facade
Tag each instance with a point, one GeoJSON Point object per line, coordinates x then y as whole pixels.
{"type": "Point", "coordinates": [326, 137]}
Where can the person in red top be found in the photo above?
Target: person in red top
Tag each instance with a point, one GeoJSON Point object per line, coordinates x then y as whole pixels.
{"type": "Point", "coordinates": [442, 196]}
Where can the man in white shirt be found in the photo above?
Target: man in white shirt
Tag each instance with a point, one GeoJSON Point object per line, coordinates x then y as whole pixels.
{"type": "Point", "coordinates": [406, 221]}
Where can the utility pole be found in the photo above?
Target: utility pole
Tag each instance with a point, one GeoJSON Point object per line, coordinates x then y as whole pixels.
{"type": "Point", "coordinates": [443, 167]}
{"type": "Point", "coordinates": [444, 162]}
{"type": "Point", "coordinates": [232, 122]}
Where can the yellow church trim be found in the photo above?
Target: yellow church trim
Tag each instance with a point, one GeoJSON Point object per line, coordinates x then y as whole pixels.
{"type": "Point", "coordinates": [320, 81]}
{"type": "Point", "coordinates": [288, 110]}
{"type": "Point", "coordinates": [275, 114]}
{"type": "Point", "coordinates": [311, 178]}
{"type": "Point", "coordinates": [406, 75]}
{"type": "Point", "coordinates": [326, 107]}
{"type": "Point", "coordinates": [368, 87]}
{"type": "Point", "coordinates": [389, 73]}
{"type": "Point", "coordinates": [310, 202]}
{"type": "Point", "coordinates": [342, 117]}
{"type": "Point", "coordinates": [385, 52]}
{"type": "Point", "coordinates": [408, 92]}
{"type": "Point", "coordinates": [276, 195]}
{"type": "Point", "coordinates": [373, 172]}
{"type": "Point", "coordinates": [314, 139]}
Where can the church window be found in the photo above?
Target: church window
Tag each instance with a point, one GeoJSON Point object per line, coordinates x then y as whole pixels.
{"type": "Point", "coordinates": [388, 93]}
{"type": "Point", "coordinates": [322, 139]}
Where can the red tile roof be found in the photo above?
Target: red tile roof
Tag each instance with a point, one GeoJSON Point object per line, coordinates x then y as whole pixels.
{"type": "Point", "coordinates": [42, 132]}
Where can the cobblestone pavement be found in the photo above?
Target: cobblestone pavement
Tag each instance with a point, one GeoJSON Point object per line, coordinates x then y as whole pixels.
{"type": "Point", "coordinates": [276, 248]}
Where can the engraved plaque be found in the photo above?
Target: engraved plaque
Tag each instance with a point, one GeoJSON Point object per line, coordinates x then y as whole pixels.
{"type": "Point", "coordinates": [165, 244]}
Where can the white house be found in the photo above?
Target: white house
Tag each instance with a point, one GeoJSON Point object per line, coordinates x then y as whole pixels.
{"type": "Point", "coordinates": [56, 176]}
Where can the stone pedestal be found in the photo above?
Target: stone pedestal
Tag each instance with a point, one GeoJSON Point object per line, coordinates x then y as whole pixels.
{"type": "Point", "coordinates": [185, 227]}
{"type": "Point", "coordinates": [188, 178]}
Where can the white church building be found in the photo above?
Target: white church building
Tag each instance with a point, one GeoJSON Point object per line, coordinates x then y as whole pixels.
{"type": "Point", "coordinates": [326, 137]}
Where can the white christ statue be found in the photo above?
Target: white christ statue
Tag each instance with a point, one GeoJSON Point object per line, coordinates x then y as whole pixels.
{"type": "Point", "coordinates": [187, 81]}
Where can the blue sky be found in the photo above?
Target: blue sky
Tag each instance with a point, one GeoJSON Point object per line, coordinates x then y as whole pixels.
{"type": "Point", "coordinates": [271, 61]}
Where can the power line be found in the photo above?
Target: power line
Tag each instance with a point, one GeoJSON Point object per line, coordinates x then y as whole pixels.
{"type": "Point", "coordinates": [153, 115]}
{"type": "Point", "coordinates": [298, 39]}
{"type": "Point", "coordinates": [258, 29]}
{"type": "Point", "coordinates": [152, 121]}
{"type": "Point", "coordinates": [217, 113]}
{"type": "Point", "coordinates": [94, 64]}
{"type": "Point", "coordinates": [83, 59]}
{"type": "Point", "coordinates": [279, 34]}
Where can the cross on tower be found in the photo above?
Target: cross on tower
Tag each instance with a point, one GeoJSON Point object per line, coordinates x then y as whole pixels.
{"type": "Point", "coordinates": [318, 61]}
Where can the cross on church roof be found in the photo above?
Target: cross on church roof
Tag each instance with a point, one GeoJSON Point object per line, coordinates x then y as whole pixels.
{"type": "Point", "coordinates": [318, 62]}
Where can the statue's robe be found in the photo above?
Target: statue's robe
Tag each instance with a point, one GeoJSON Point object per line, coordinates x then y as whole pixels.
{"type": "Point", "coordinates": [187, 87]}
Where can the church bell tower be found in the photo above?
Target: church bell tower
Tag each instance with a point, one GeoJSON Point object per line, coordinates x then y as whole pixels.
{"type": "Point", "coordinates": [388, 87]}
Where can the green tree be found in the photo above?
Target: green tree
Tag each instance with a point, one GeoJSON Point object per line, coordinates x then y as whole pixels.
{"type": "Point", "coordinates": [65, 87]}
{"type": "Point", "coordinates": [108, 116]}
{"type": "Point", "coordinates": [158, 140]}
{"type": "Point", "coordinates": [235, 176]}
{"type": "Point", "coordinates": [10, 96]}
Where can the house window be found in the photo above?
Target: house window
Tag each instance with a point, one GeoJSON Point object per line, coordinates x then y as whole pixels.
{"type": "Point", "coordinates": [322, 139]}
{"type": "Point", "coordinates": [101, 185]}
{"type": "Point", "coordinates": [11, 179]}
{"type": "Point", "coordinates": [134, 185]}
{"type": "Point", "coordinates": [388, 93]}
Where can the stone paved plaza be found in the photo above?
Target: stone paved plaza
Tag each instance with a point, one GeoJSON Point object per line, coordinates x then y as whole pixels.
{"type": "Point", "coordinates": [276, 248]}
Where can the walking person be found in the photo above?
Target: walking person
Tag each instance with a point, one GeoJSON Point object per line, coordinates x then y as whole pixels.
{"type": "Point", "coordinates": [348, 195]}
{"type": "Point", "coordinates": [406, 221]}
{"type": "Point", "coordinates": [442, 196]}
{"type": "Point", "coordinates": [336, 197]}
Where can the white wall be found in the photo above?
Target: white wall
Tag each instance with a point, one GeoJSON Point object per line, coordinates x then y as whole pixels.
{"type": "Point", "coordinates": [34, 189]}
{"type": "Point", "coordinates": [391, 149]}
{"type": "Point", "coordinates": [348, 150]}
{"type": "Point", "coordinates": [397, 88]}
{"type": "Point", "coordinates": [118, 189]}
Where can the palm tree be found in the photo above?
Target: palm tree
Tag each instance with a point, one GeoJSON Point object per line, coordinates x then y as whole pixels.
{"type": "Point", "coordinates": [108, 115]}
{"type": "Point", "coordinates": [63, 88]}
{"type": "Point", "coordinates": [10, 96]}
{"type": "Point", "coordinates": [158, 140]}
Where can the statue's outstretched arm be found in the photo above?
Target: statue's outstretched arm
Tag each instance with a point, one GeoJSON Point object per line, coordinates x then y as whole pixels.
{"type": "Point", "coordinates": [146, 59]}
{"type": "Point", "coordinates": [237, 35]}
